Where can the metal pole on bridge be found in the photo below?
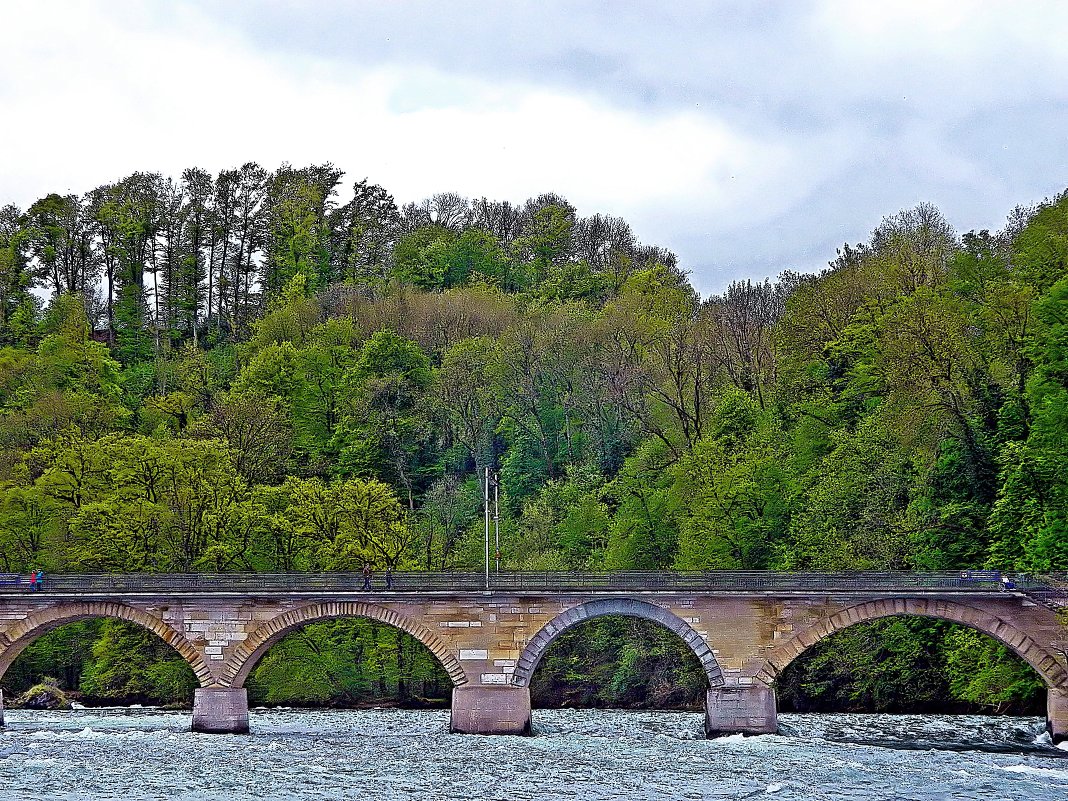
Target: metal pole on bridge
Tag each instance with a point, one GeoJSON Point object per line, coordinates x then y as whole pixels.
{"type": "Point", "coordinates": [487, 510]}
{"type": "Point", "coordinates": [497, 522]}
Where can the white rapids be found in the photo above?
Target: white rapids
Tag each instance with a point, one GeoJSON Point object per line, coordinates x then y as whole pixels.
{"type": "Point", "coordinates": [587, 755]}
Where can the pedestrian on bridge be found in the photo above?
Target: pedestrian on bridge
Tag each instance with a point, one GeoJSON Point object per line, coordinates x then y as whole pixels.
{"type": "Point", "coordinates": [389, 577]}
{"type": "Point", "coordinates": [367, 575]}
{"type": "Point", "coordinates": [38, 580]}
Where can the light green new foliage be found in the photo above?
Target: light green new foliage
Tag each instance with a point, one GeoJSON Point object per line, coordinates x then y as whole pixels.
{"type": "Point", "coordinates": [984, 672]}
{"type": "Point", "coordinates": [343, 524]}
{"type": "Point", "coordinates": [163, 505]}
{"type": "Point", "coordinates": [736, 489]}
{"type": "Point", "coordinates": [851, 514]}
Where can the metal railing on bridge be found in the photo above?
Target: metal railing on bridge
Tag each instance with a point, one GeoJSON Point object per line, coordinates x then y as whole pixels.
{"type": "Point", "coordinates": [713, 581]}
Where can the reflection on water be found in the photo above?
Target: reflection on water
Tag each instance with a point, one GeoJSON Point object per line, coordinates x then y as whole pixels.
{"type": "Point", "coordinates": [388, 754]}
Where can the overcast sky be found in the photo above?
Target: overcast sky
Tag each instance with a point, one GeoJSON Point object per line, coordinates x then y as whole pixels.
{"type": "Point", "coordinates": [748, 137]}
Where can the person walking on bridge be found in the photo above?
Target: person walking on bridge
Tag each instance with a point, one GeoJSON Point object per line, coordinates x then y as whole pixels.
{"type": "Point", "coordinates": [367, 575]}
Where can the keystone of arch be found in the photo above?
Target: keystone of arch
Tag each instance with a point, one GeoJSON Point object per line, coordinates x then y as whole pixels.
{"type": "Point", "coordinates": [20, 635]}
{"type": "Point", "coordinates": [1044, 663]}
{"type": "Point", "coordinates": [628, 607]}
{"type": "Point", "coordinates": [245, 655]}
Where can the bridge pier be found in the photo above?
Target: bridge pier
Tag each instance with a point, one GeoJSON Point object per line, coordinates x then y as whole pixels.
{"type": "Point", "coordinates": [1057, 714]}
{"type": "Point", "coordinates": [220, 710]}
{"type": "Point", "coordinates": [740, 710]}
{"type": "Point", "coordinates": [488, 709]}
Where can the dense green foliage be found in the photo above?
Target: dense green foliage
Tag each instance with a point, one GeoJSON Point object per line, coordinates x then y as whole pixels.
{"type": "Point", "coordinates": [349, 663]}
{"type": "Point", "coordinates": [105, 661]}
{"type": "Point", "coordinates": [619, 662]}
{"type": "Point", "coordinates": [910, 664]}
{"type": "Point", "coordinates": [249, 372]}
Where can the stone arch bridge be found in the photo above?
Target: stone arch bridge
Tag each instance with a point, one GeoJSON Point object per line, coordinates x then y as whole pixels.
{"type": "Point", "coordinates": [744, 628]}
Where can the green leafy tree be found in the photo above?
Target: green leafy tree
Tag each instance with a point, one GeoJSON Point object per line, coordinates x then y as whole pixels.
{"type": "Point", "coordinates": [853, 512]}
{"type": "Point", "coordinates": [344, 524]}
{"type": "Point", "coordinates": [385, 430]}
{"type": "Point", "coordinates": [422, 258]}
{"type": "Point", "coordinates": [131, 664]}
{"type": "Point", "coordinates": [737, 488]}
{"type": "Point", "coordinates": [17, 305]}
{"type": "Point", "coordinates": [363, 231]}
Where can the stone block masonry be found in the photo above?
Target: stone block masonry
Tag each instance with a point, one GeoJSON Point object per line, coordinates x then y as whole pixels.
{"type": "Point", "coordinates": [740, 710]}
{"type": "Point", "coordinates": [490, 710]}
{"type": "Point", "coordinates": [1056, 714]}
{"type": "Point", "coordinates": [220, 710]}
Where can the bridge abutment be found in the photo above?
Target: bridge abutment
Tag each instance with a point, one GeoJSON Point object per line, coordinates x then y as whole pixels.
{"type": "Point", "coordinates": [1057, 714]}
{"type": "Point", "coordinates": [482, 709]}
{"type": "Point", "coordinates": [220, 710]}
{"type": "Point", "coordinates": [740, 710]}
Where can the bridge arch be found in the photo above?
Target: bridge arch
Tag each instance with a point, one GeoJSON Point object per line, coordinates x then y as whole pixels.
{"type": "Point", "coordinates": [628, 607]}
{"type": "Point", "coordinates": [1038, 657]}
{"type": "Point", "coordinates": [19, 636]}
{"type": "Point", "coordinates": [248, 653]}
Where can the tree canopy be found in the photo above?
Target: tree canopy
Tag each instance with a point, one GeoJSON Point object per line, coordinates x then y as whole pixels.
{"type": "Point", "coordinates": [251, 371]}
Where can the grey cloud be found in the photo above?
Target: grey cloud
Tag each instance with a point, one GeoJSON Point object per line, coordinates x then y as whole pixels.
{"type": "Point", "coordinates": [641, 53]}
{"type": "Point", "coordinates": [728, 56]}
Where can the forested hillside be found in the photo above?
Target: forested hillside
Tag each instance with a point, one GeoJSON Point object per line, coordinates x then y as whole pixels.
{"type": "Point", "coordinates": [258, 371]}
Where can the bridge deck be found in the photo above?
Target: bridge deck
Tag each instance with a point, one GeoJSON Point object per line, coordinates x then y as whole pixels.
{"type": "Point", "coordinates": [706, 582]}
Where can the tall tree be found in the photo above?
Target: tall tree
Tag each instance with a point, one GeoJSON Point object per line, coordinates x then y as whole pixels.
{"type": "Point", "coordinates": [15, 277]}
{"type": "Point", "coordinates": [128, 218]}
{"type": "Point", "coordinates": [296, 207]}
{"type": "Point", "coordinates": [249, 233]}
{"type": "Point", "coordinates": [60, 241]}
{"type": "Point", "coordinates": [186, 291]}
{"type": "Point", "coordinates": [364, 231]}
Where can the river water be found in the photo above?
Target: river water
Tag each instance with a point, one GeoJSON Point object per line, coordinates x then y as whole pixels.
{"type": "Point", "coordinates": [586, 755]}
